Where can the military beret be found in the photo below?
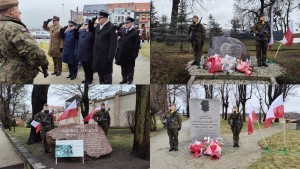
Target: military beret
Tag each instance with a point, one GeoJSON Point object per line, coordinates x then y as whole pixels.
{"type": "Point", "coordinates": [55, 18]}
{"type": "Point", "coordinates": [103, 13]}
{"type": "Point", "coordinates": [6, 4]}
{"type": "Point", "coordinates": [72, 23]}
{"type": "Point", "coordinates": [129, 19]}
{"type": "Point", "coordinates": [87, 21]}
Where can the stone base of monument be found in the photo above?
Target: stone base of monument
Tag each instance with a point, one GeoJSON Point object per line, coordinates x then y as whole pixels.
{"type": "Point", "coordinates": [96, 143]}
{"type": "Point", "coordinates": [260, 74]}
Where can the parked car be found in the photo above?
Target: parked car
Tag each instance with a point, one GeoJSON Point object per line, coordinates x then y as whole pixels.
{"type": "Point", "coordinates": [40, 35]}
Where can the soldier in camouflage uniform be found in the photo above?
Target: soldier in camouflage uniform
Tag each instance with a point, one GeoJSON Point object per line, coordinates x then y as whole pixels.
{"type": "Point", "coordinates": [262, 33]}
{"type": "Point", "coordinates": [103, 118]}
{"type": "Point", "coordinates": [235, 120]}
{"type": "Point", "coordinates": [172, 119]}
{"type": "Point", "coordinates": [196, 34]}
{"type": "Point", "coordinates": [47, 124]}
{"type": "Point", "coordinates": [20, 56]}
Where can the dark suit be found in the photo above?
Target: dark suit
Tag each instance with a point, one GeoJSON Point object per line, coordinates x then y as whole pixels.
{"type": "Point", "coordinates": [85, 53]}
{"type": "Point", "coordinates": [128, 50]}
{"type": "Point", "coordinates": [105, 46]}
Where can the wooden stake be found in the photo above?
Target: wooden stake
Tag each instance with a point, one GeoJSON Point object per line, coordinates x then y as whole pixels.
{"type": "Point", "coordinates": [278, 50]}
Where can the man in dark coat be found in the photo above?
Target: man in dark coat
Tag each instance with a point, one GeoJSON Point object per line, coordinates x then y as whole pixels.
{"type": "Point", "coordinates": [105, 46]}
{"type": "Point", "coordinates": [69, 56]}
{"type": "Point", "coordinates": [128, 50]}
{"type": "Point", "coordinates": [85, 49]}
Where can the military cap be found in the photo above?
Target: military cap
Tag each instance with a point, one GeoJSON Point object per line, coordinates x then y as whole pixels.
{"type": "Point", "coordinates": [55, 18]}
{"type": "Point", "coordinates": [103, 104]}
{"type": "Point", "coordinates": [129, 19]}
{"type": "Point", "coordinates": [72, 23]}
{"type": "Point", "coordinates": [6, 4]}
{"type": "Point", "coordinates": [103, 14]}
{"type": "Point", "coordinates": [87, 21]}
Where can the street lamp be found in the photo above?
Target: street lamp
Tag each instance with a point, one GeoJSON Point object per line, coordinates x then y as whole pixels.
{"type": "Point", "coordinates": [63, 6]}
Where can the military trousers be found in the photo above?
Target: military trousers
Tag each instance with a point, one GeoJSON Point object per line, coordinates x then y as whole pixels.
{"type": "Point", "coordinates": [44, 142]}
{"type": "Point", "coordinates": [57, 62]}
{"type": "Point", "coordinates": [127, 73]}
{"type": "Point", "coordinates": [173, 137]}
{"type": "Point", "coordinates": [236, 135]}
{"type": "Point", "coordinates": [261, 51]}
{"type": "Point", "coordinates": [105, 129]}
{"type": "Point", "coordinates": [88, 72]}
{"type": "Point", "coordinates": [105, 78]}
{"type": "Point", "coordinates": [197, 49]}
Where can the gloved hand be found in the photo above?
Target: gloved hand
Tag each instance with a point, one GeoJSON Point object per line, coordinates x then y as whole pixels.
{"type": "Point", "coordinates": [94, 19]}
{"type": "Point", "coordinates": [260, 34]}
{"type": "Point", "coordinates": [61, 49]}
{"type": "Point", "coordinates": [49, 20]}
{"type": "Point", "coordinates": [179, 128]}
{"type": "Point", "coordinates": [45, 72]}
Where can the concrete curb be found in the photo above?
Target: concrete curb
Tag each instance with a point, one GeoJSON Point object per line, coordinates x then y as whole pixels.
{"type": "Point", "coordinates": [30, 162]}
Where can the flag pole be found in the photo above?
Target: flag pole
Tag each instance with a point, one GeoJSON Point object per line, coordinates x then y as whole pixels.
{"type": "Point", "coordinates": [262, 135]}
{"type": "Point", "coordinates": [278, 50]}
{"type": "Point", "coordinates": [284, 148]}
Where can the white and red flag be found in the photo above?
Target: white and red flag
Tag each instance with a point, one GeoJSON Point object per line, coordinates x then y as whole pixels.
{"type": "Point", "coordinates": [91, 114]}
{"type": "Point", "coordinates": [288, 38]}
{"type": "Point", "coordinates": [251, 119]}
{"type": "Point", "coordinates": [275, 111]}
{"type": "Point", "coordinates": [37, 126]}
{"type": "Point", "coordinates": [70, 112]}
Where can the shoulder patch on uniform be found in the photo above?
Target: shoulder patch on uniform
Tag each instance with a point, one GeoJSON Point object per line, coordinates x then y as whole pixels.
{"type": "Point", "coordinates": [24, 30]}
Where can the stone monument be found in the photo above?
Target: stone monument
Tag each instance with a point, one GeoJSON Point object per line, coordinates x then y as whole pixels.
{"type": "Point", "coordinates": [204, 118]}
{"type": "Point", "coordinates": [95, 142]}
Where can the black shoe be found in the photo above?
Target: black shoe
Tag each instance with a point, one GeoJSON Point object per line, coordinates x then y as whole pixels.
{"type": "Point", "coordinates": [84, 81]}
{"type": "Point", "coordinates": [171, 149]}
{"type": "Point", "coordinates": [176, 149]}
{"type": "Point", "coordinates": [69, 76]}
{"type": "Point", "coordinates": [123, 82]}
{"type": "Point", "coordinates": [237, 145]}
{"type": "Point", "coordinates": [58, 74]}
{"type": "Point", "coordinates": [194, 63]}
{"type": "Point", "coordinates": [72, 78]}
{"type": "Point", "coordinates": [259, 65]}
{"type": "Point", "coordinates": [54, 73]}
{"type": "Point", "coordinates": [265, 65]}
{"type": "Point", "coordinates": [129, 83]}
{"type": "Point", "coordinates": [234, 145]}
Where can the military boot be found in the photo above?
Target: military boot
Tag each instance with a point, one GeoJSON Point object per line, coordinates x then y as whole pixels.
{"type": "Point", "coordinates": [195, 63]}
{"type": "Point", "coordinates": [265, 64]}
{"type": "Point", "coordinates": [171, 149]}
{"type": "Point", "coordinates": [175, 148]}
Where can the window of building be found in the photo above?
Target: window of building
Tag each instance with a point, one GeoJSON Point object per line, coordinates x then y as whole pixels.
{"type": "Point", "coordinates": [88, 11]}
{"type": "Point", "coordinates": [143, 16]}
{"type": "Point", "coordinates": [144, 9]}
{"type": "Point", "coordinates": [110, 11]}
{"type": "Point", "coordinates": [137, 17]}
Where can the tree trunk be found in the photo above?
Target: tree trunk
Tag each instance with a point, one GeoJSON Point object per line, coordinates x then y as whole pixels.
{"type": "Point", "coordinates": [141, 142]}
{"type": "Point", "coordinates": [85, 102]}
{"type": "Point", "coordinates": [38, 99]}
{"type": "Point", "coordinates": [174, 13]}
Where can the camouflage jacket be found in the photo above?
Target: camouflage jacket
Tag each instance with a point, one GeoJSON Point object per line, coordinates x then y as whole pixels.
{"type": "Point", "coordinates": [235, 120]}
{"type": "Point", "coordinates": [200, 31]}
{"type": "Point", "coordinates": [175, 122]}
{"type": "Point", "coordinates": [46, 120]}
{"type": "Point", "coordinates": [102, 117]}
{"type": "Point", "coordinates": [20, 56]}
{"type": "Point", "coordinates": [258, 27]}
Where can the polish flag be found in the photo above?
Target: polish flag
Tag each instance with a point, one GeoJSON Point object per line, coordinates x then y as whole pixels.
{"type": "Point", "coordinates": [288, 38]}
{"type": "Point", "coordinates": [70, 112]}
{"type": "Point", "coordinates": [251, 119]}
{"type": "Point", "coordinates": [37, 126]}
{"type": "Point", "coordinates": [275, 111]}
{"type": "Point", "coordinates": [91, 114]}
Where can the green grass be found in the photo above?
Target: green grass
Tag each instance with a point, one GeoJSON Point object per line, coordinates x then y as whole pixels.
{"type": "Point", "coordinates": [277, 159]}
{"type": "Point", "coordinates": [145, 50]}
{"type": "Point", "coordinates": [118, 138]}
{"type": "Point", "coordinates": [22, 135]}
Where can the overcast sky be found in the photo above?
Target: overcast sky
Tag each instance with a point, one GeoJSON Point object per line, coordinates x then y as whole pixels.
{"type": "Point", "coordinates": [222, 11]}
{"type": "Point", "coordinates": [291, 103]}
{"type": "Point", "coordinates": [57, 100]}
{"type": "Point", "coordinates": [34, 12]}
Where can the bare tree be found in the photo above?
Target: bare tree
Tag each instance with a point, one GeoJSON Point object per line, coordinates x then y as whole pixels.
{"type": "Point", "coordinates": [158, 102]}
{"type": "Point", "coordinates": [224, 92]}
{"type": "Point", "coordinates": [209, 91]}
